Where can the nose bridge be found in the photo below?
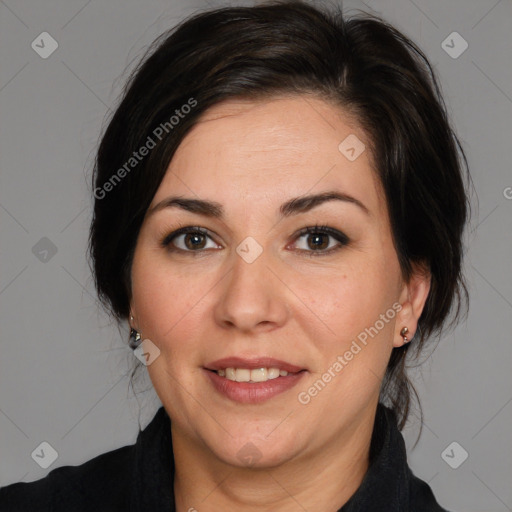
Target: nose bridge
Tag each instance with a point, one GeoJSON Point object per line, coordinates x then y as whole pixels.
{"type": "Point", "coordinates": [251, 296]}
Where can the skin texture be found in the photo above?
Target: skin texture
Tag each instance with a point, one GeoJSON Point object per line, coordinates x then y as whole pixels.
{"type": "Point", "coordinates": [251, 157]}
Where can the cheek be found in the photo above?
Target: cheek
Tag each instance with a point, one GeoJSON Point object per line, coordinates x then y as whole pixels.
{"type": "Point", "coordinates": [353, 341]}
{"type": "Point", "coordinates": [169, 312]}
{"type": "Point", "coordinates": [173, 303]}
{"type": "Point", "coordinates": [164, 299]}
{"type": "Point", "coordinates": [350, 298]}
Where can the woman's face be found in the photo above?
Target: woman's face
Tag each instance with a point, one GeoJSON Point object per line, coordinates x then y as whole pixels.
{"type": "Point", "coordinates": [251, 286]}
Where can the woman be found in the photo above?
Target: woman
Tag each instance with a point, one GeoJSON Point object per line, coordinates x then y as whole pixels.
{"type": "Point", "coordinates": [279, 206]}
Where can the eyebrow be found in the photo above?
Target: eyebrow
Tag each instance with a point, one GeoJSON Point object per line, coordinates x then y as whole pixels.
{"type": "Point", "coordinates": [291, 207]}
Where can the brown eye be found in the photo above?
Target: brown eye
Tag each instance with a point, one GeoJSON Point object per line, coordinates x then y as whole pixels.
{"type": "Point", "coordinates": [321, 240]}
{"type": "Point", "coordinates": [318, 241]}
{"type": "Point", "coordinates": [188, 239]}
{"type": "Point", "coordinates": [194, 240]}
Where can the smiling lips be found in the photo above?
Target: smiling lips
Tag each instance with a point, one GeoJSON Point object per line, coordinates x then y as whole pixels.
{"type": "Point", "coordinates": [252, 380]}
{"type": "Point", "coordinates": [257, 369]}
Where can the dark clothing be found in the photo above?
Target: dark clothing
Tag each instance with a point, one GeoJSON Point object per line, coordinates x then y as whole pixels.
{"type": "Point", "coordinates": [138, 478]}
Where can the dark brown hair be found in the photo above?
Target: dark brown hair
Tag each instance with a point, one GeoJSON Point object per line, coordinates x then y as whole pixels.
{"type": "Point", "coordinates": [361, 64]}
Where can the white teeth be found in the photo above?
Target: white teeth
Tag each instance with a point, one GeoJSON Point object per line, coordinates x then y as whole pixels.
{"type": "Point", "coordinates": [242, 375]}
{"type": "Point", "coordinates": [256, 375]}
{"type": "Point", "coordinates": [273, 373]}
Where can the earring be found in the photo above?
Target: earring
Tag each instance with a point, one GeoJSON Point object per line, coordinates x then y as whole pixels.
{"type": "Point", "coordinates": [135, 339]}
{"type": "Point", "coordinates": [403, 333]}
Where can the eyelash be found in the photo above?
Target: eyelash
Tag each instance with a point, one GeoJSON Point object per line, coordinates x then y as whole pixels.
{"type": "Point", "coordinates": [311, 230]}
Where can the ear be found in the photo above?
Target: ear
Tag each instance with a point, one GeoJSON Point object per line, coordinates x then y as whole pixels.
{"type": "Point", "coordinates": [413, 296]}
{"type": "Point", "coordinates": [132, 318]}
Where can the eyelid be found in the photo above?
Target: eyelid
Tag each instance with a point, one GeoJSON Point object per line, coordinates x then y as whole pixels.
{"type": "Point", "coordinates": [335, 233]}
{"type": "Point", "coordinates": [183, 230]}
{"type": "Point", "coordinates": [342, 239]}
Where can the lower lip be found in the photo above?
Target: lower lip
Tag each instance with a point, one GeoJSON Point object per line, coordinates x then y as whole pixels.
{"type": "Point", "coordinates": [253, 393]}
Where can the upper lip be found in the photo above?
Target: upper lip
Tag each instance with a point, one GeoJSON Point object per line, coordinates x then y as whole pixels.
{"type": "Point", "coordinates": [252, 364]}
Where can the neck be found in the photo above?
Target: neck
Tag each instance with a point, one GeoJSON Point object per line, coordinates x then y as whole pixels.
{"type": "Point", "coordinates": [324, 481]}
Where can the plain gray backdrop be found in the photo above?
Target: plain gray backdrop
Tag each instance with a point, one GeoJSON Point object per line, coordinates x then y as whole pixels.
{"type": "Point", "coordinates": [64, 366]}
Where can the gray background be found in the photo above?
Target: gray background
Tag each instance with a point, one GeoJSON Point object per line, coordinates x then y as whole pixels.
{"type": "Point", "coordinates": [64, 367]}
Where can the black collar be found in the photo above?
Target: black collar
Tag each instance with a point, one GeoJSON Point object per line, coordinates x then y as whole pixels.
{"type": "Point", "coordinates": [388, 486]}
{"type": "Point", "coordinates": [386, 483]}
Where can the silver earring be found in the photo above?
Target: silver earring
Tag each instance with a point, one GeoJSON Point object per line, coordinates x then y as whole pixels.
{"type": "Point", "coordinates": [135, 339]}
{"type": "Point", "coordinates": [403, 333]}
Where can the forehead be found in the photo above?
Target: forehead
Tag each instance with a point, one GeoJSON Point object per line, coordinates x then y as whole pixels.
{"type": "Point", "coordinates": [270, 149]}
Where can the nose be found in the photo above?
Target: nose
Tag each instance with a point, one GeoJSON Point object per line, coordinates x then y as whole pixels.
{"type": "Point", "coordinates": [253, 298]}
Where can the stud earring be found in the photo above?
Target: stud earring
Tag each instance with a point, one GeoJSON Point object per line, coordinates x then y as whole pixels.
{"type": "Point", "coordinates": [403, 333]}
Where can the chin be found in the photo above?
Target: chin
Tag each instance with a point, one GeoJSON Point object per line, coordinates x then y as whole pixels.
{"type": "Point", "coordinates": [255, 451]}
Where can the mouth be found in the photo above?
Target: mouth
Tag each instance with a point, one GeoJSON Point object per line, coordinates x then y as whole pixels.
{"type": "Point", "coordinates": [255, 369]}
{"type": "Point", "coordinates": [252, 380]}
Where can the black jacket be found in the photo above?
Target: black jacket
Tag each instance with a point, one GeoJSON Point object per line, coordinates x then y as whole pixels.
{"type": "Point", "coordinates": [137, 478]}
